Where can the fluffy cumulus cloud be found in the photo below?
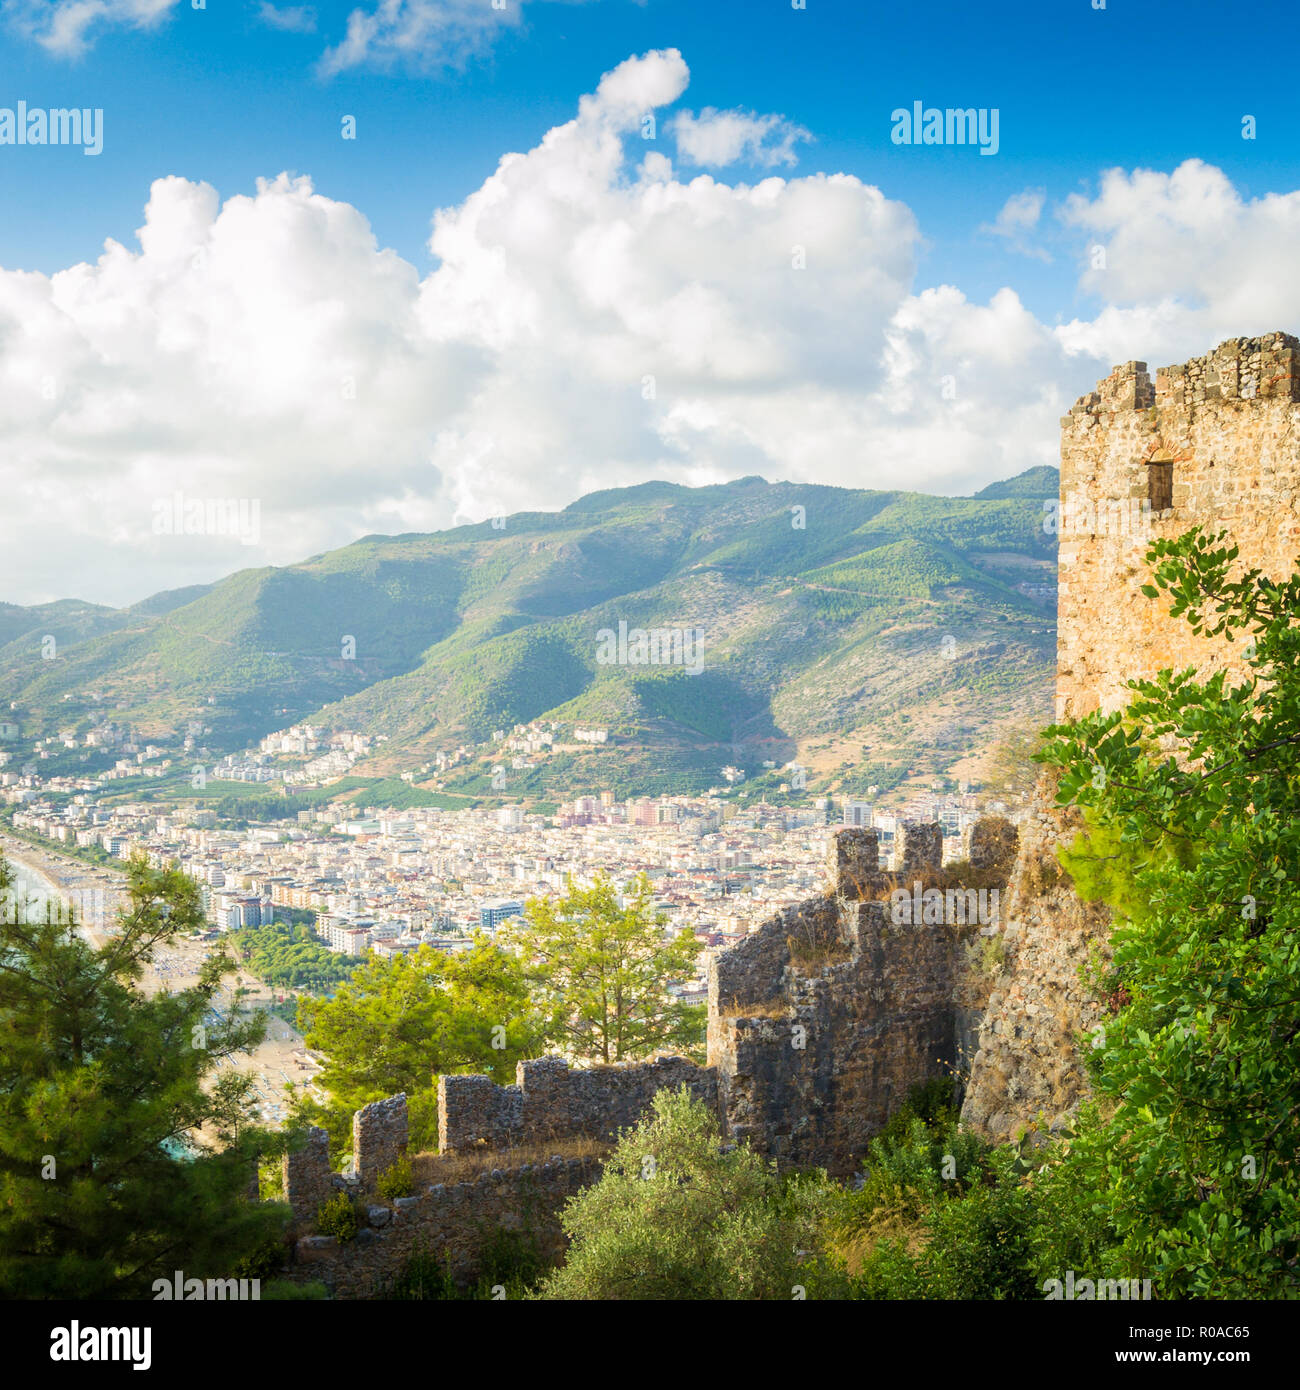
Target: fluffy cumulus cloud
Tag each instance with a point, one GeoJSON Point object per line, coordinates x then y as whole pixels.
{"type": "Point", "coordinates": [416, 35]}
{"type": "Point", "coordinates": [66, 28]}
{"type": "Point", "coordinates": [594, 319]}
{"type": "Point", "coordinates": [717, 138]}
{"type": "Point", "coordinates": [1182, 258]}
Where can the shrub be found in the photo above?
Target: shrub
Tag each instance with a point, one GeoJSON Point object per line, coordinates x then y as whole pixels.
{"type": "Point", "coordinates": [931, 1102]}
{"type": "Point", "coordinates": [512, 1260]}
{"type": "Point", "coordinates": [286, 1291]}
{"type": "Point", "coordinates": [910, 1168]}
{"type": "Point", "coordinates": [263, 1260]}
{"type": "Point", "coordinates": [395, 1181]}
{"type": "Point", "coordinates": [679, 1215]}
{"type": "Point", "coordinates": [336, 1216]}
{"type": "Point", "coordinates": [423, 1278]}
{"type": "Point", "coordinates": [510, 1265]}
{"type": "Point", "coordinates": [981, 1245]}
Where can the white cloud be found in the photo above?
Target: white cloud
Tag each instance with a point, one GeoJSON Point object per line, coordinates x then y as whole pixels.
{"type": "Point", "coordinates": [716, 138]}
{"type": "Point", "coordinates": [1018, 217]}
{"type": "Point", "coordinates": [290, 19]}
{"type": "Point", "coordinates": [593, 321]}
{"type": "Point", "coordinates": [1186, 259]}
{"type": "Point", "coordinates": [65, 27]}
{"type": "Point", "coordinates": [419, 34]}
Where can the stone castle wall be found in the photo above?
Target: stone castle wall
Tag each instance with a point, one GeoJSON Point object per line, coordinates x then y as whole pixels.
{"type": "Point", "coordinates": [1026, 1064]}
{"type": "Point", "coordinates": [308, 1180]}
{"type": "Point", "coordinates": [379, 1133]}
{"type": "Point", "coordinates": [823, 1020]}
{"type": "Point", "coordinates": [1217, 441]}
{"type": "Point", "coordinates": [552, 1100]}
{"type": "Point", "coordinates": [819, 1024]}
{"type": "Point", "coordinates": [1221, 434]}
{"type": "Point", "coordinates": [458, 1224]}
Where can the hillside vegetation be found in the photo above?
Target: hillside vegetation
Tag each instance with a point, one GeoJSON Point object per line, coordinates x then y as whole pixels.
{"type": "Point", "coordinates": [829, 619]}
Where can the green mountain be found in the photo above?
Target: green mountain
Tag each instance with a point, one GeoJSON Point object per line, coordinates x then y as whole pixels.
{"type": "Point", "coordinates": [876, 637]}
{"type": "Point", "coordinates": [1042, 482]}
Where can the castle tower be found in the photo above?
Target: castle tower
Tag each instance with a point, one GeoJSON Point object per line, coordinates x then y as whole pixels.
{"type": "Point", "coordinates": [1214, 442]}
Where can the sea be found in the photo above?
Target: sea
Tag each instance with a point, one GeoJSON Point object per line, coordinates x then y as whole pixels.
{"type": "Point", "coordinates": [38, 892]}
{"type": "Point", "coordinates": [31, 886]}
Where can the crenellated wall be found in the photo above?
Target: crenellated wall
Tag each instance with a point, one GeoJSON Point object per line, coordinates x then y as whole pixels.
{"type": "Point", "coordinates": [1216, 441]}
{"type": "Point", "coordinates": [458, 1224]}
{"type": "Point", "coordinates": [552, 1100]}
{"type": "Point", "coordinates": [819, 1024]}
{"type": "Point", "coordinates": [1213, 442]}
{"type": "Point", "coordinates": [823, 1020]}
{"type": "Point", "coordinates": [308, 1179]}
{"type": "Point", "coordinates": [379, 1134]}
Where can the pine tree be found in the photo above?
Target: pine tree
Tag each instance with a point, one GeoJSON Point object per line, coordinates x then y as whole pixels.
{"type": "Point", "coordinates": [600, 971]}
{"type": "Point", "coordinates": [125, 1154]}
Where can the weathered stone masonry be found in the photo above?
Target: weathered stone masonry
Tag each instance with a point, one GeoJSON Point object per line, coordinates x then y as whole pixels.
{"type": "Point", "coordinates": [819, 1024]}
{"type": "Point", "coordinates": [1215, 438]}
{"type": "Point", "coordinates": [821, 1021]}
{"type": "Point", "coordinates": [1216, 443]}
{"type": "Point", "coordinates": [812, 1058]}
{"type": "Point", "coordinates": [551, 1100]}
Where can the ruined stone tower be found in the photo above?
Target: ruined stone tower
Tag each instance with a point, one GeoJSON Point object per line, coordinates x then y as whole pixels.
{"type": "Point", "coordinates": [1214, 442]}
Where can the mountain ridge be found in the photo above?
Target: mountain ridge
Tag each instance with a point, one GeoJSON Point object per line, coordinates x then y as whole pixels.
{"type": "Point", "coordinates": [890, 603]}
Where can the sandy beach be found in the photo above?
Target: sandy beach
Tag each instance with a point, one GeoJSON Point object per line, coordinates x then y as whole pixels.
{"type": "Point", "coordinates": [96, 894]}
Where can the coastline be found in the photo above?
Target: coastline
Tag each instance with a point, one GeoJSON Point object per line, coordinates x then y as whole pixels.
{"type": "Point", "coordinates": [90, 891]}
{"type": "Point", "coordinates": [95, 894]}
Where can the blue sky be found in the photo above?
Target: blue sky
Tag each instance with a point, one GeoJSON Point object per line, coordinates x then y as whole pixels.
{"type": "Point", "coordinates": [603, 309]}
{"type": "Point", "coordinates": [217, 94]}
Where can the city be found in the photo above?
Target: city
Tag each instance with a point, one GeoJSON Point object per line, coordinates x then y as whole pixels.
{"type": "Point", "coordinates": [388, 881]}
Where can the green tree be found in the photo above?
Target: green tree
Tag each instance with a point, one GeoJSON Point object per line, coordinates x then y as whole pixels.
{"type": "Point", "coordinates": [600, 972]}
{"type": "Point", "coordinates": [679, 1215]}
{"type": "Point", "coordinates": [397, 1024]}
{"type": "Point", "coordinates": [1192, 794]}
{"type": "Point", "coordinates": [288, 953]}
{"type": "Point", "coordinates": [101, 1088]}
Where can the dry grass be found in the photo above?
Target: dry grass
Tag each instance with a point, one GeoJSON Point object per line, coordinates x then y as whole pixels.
{"type": "Point", "coordinates": [430, 1168]}
{"type": "Point", "coordinates": [1042, 874]}
{"type": "Point", "coordinates": [986, 955]}
{"type": "Point", "coordinates": [768, 1008]}
{"type": "Point", "coordinates": [812, 954]}
{"type": "Point", "coordinates": [854, 1247]}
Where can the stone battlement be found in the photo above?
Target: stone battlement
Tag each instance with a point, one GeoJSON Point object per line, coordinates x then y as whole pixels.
{"type": "Point", "coordinates": [819, 1024]}
{"type": "Point", "coordinates": [823, 1020]}
{"type": "Point", "coordinates": [456, 1223]}
{"type": "Point", "coordinates": [1239, 369]}
{"type": "Point", "coordinates": [1214, 442]}
{"type": "Point", "coordinates": [552, 1100]}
